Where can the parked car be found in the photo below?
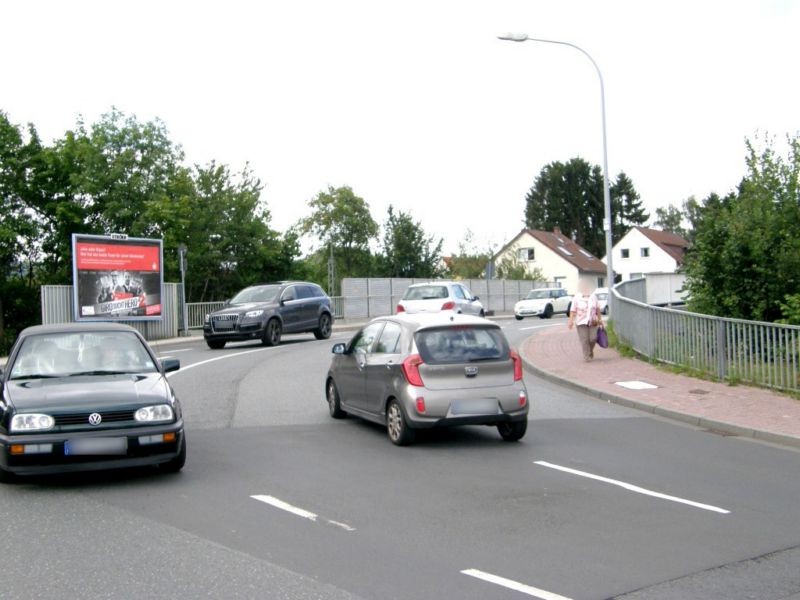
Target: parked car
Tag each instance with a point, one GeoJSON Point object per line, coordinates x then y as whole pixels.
{"type": "Point", "coordinates": [438, 296]}
{"type": "Point", "coordinates": [543, 303]}
{"type": "Point", "coordinates": [87, 396]}
{"type": "Point", "coordinates": [602, 299]}
{"type": "Point", "coordinates": [412, 372]}
{"type": "Point", "coordinates": [265, 312]}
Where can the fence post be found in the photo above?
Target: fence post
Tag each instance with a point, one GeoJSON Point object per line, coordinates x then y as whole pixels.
{"type": "Point", "coordinates": [721, 350]}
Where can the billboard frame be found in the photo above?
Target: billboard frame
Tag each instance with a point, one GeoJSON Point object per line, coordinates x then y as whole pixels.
{"type": "Point", "coordinates": [81, 277]}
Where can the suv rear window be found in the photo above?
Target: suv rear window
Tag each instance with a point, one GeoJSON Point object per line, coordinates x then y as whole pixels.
{"type": "Point", "coordinates": [426, 292]}
{"type": "Point", "coordinates": [461, 343]}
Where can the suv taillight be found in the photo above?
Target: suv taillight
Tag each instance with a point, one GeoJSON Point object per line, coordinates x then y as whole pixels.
{"type": "Point", "coordinates": [410, 367]}
{"type": "Point", "coordinates": [448, 305]}
{"type": "Point", "coordinates": [517, 365]}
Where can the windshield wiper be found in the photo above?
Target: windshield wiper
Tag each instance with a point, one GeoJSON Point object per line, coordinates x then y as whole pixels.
{"type": "Point", "coordinates": [99, 372]}
{"type": "Point", "coordinates": [35, 376]}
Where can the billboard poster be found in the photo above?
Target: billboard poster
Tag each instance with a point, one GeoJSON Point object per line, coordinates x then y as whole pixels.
{"type": "Point", "coordinates": [116, 277]}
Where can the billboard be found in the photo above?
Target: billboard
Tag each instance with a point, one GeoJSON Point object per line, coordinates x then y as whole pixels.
{"type": "Point", "coordinates": [116, 277]}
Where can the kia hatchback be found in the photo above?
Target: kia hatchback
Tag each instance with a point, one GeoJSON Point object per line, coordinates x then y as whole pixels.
{"type": "Point", "coordinates": [412, 372]}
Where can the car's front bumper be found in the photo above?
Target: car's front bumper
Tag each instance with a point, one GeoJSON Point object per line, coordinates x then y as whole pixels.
{"type": "Point", "coordinates": [241, 332]}
{"type": "Point", "coordinates": [141, 448]}
{"type": "Point", "coordinates": [528, 311]}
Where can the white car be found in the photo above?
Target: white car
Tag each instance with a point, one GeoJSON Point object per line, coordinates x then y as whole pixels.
{"type": "Point", "coordinates": [602, 299]}
{"type": "Point", "coordinates": [438, 296]}
{"type": "Point", "coordinates": [543, 303]}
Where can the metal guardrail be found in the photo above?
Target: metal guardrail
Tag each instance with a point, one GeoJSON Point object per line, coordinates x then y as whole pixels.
{"type": "Point", "coordinates": [765, 354]}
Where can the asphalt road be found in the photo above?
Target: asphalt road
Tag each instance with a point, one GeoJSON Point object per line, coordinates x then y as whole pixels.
{"type": "Point", "coordinates": [277, 500]}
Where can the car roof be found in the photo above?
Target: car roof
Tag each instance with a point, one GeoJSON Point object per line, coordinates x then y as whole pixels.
{"type": "Point", "coordinates": [419, 321]}
{"type": "Point", "coordinates": [75, 328]}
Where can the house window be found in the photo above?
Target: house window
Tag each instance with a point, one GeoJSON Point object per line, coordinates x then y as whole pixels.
{"type": "Point", "coordinates": [526, 254]}
{"type": "Point", "coordinates": [601, 282]}
{"type": "Point", "coordinates": [645, 252]}
{"type": "Point", "coordinates": [625, 252]}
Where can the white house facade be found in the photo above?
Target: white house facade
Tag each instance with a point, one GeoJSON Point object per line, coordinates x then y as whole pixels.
{"type": "Point", "coordinates": [557, 258]}
{"type": "Point", "coordinates": [643, 250]}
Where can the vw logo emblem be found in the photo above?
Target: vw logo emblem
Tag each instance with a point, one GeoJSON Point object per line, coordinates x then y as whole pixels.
{"type": "Point", "coordinates": [95, 419]}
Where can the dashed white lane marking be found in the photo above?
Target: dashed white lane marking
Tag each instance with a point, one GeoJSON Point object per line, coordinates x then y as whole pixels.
{"type": "Point", "coordinates": [205, 362]}
{"type": "Point", "coordinates": [513, 585]}
{"type": "Point", "coordinates": [541, 326]}
{"type": "Point", "coordinates": [300, 512]}
{"type": "Point", "coordinates": [181, 350]}
{"type": "Point", "coordinates": [633, 488]}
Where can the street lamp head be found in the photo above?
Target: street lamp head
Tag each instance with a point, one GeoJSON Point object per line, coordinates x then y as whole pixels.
{"type": "Point", "coordinates": [514, 37]}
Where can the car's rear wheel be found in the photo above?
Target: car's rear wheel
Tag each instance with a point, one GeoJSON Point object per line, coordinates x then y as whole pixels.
{"type": "Point", "coordinates": [512, 431]}
{"type": "Point", "coordinates": [176, 464]}
{"type": "Point", "coordinates": [548, 311]}
{"type": "Point", "coordinates": [605, 309]}
{"type": "Point", "coordinates": [400, 434]}
{"type": "Point", "coordinates": [216, 344]}
{"type": "Point", "coordinates": [334, 404]}
{"type": "Point", "coordinates": [6, 476]}
{"type": "Point", "coordinates": [323, 330]}
{"type": "Point", "coordinates": [518, 318]}
{"type": "Point", "coordinates": [272, 333]}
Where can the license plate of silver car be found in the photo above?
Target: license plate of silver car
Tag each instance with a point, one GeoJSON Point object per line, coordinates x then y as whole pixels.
{"type": "Point", "coordinates": [484, 406]}
{"type": "Point", "coordinates": [96, 446]}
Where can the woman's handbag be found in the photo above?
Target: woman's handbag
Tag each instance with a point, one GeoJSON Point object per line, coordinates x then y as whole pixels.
{"type": "Point", "coordinates": [602, 338]}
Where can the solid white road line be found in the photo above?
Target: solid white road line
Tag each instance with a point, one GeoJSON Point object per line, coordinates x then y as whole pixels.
{"type": "Point", "coordinates": [633, 488]}
{"type": "Point", "coordinates": [205, 362]}
{"type": "Point", "coordinates": [300, 512]}
{"type": "Point", "coordinates": [182, 350]}
{"type": "Point", "coordinates": [540, 326]}
{"type": "Point", "coordinates": [513, 585]}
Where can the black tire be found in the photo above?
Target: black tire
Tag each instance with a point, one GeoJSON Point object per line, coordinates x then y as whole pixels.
{"type": "Point", "coordinates": [6, 476]}
{"type": "Point", "coordinates": [482, 315]}
{"type": "Point", "coordinates": [323, 330]}
{"type": "Point", "coordinates": [272, 333]}
{"type": "Point", "coordinates": [334, 404]}
{"type": "Point", "coordinates": [605, 309]}
{"type": "Point", "coordinates": [512, 431]}
{"type": "Point", "coordinates": [215, 344]}
{"type": "Point", "coordinates": [548, 311]}
{"type": "Point", "coordinates": [400, 434]}
{"type": "Point", "coordinates": [569, 306]}
{"type": "Point", "coordinates": [518, 318]}
{"type": "Point", "coordinates": [176, 464]}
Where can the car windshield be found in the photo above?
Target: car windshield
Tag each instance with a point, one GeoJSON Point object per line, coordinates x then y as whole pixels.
{"type": "Point", "coordinates": [461, 344]}
{"type": "Point", "coordinates": [259, 293]}
{"type": "Point", "coordinates": [81, 353]}
{"type": "Point", "coordinates": [537, 294]}
{"type": "Point", "coordinates": [426, 292]}
{"type": "Point", "coordinates": [602, 296]}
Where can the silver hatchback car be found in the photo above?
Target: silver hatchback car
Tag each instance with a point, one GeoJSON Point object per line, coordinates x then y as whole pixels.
{"type": "Point", "coordinates": [440, 296]}
{"type": "Point", "coordinates": [419, 371]}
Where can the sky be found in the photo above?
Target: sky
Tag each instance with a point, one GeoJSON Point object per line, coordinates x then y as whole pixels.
{"type": "Point", "coordinates": [417, 104]}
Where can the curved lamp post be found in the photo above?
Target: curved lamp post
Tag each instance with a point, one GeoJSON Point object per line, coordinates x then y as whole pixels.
{"type": "Point", "coordinates": [521, 37]}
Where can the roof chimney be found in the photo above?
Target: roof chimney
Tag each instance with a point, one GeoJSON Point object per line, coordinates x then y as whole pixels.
{"type": "Point", "coordinates": [557, 230]}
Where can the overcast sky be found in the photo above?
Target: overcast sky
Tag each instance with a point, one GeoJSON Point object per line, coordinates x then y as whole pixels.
{"type": "Point", "coordinates": [416, 103]}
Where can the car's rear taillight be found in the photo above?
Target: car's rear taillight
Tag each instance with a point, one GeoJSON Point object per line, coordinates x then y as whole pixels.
{"type": "Point", "coordinates": [410, 367]}
{"type": "Point", "coordinates": [517, 365]}
{"type": "Point", "coordinates": [448, 305]}
{"type": "Point", "coordinates": [400, 308]}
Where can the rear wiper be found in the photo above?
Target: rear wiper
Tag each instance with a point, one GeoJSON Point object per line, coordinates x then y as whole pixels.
{"type": "Point", "coordinates": [482, 358]}
{"type": "Point", "coordinates": [99, 372]}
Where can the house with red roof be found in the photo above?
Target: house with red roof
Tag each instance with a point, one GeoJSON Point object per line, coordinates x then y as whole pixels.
{"type": "Point", "coordinates": [643, 250]}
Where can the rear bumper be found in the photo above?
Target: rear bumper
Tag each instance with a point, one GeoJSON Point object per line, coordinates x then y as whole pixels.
{"type": "Point", "coordinates": [417, 422]}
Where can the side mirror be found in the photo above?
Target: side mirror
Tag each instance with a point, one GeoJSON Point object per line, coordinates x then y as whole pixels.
{"type": "Point", "coordinates": [170, 364]}
{"type": "Point", "coordinates": [339, 348]}
{"type": "Point", "coordinates": [474, 298]}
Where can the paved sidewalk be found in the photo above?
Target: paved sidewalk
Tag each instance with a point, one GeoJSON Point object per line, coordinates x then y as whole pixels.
{"type": "Point", "coordinates": [555, 354]}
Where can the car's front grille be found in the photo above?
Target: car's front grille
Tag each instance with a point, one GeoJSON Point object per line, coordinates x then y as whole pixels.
{"type": "Point", "coordinates": [111, 416]}
{"type": "Point", "coordinates": [224, 322]}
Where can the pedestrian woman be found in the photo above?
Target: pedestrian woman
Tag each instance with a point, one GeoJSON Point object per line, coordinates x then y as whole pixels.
{"type": "Point", "coordinates": [584, 313]}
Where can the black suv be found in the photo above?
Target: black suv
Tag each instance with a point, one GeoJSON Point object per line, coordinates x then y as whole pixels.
{"type": "Point", "coordinates": [266, 311]}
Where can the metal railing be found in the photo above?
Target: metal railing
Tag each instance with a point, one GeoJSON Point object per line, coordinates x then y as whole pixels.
{"type": "Point", "coordinates": [765, 354]}
{"type": "Point", "coordinates": [196, 312]}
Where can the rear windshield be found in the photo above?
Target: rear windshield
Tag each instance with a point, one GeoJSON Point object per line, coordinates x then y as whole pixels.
{"type": "Point", "coordinates": [259, 293]}
{"type": "Point", "coordinates": [461, 343]}
{"type": "Point", "coordinates": [426, 292]}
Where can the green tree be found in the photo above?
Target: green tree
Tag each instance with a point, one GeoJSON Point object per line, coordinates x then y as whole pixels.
{"type": "Point", "coordinates": [570, 196]}
{"type": "Point", "coordinates": [745, 260]}
{"type": "Point", "coordinates": [407, 250]}
{"type": "Point", "coordinates": [511, 267]}
{"type": "Point", "coordinates": [469, 262]}
{"type": "Point", "coordinates": [670, 218]}
{"type": "Point", "coordinates": [342, 220]}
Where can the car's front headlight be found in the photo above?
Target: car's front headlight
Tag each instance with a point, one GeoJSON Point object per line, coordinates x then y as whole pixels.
{"type": "Point", "coordinates": [208, 318]}
{"type": "Point", "coordinates": [252, 314]}
{"type": "Point", "coordinates": [32, 422]}
{"type": "Point", "coordinates": [154, 414]}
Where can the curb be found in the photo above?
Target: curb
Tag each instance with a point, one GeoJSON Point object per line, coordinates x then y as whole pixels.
{"type": "Point", "coordinates": [702, 422]}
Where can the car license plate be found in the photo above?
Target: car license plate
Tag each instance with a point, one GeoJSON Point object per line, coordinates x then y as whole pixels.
{"type": "Point", "coordinates": [487, 406]}
{"type": "Point", "coordinates": [96, 446]}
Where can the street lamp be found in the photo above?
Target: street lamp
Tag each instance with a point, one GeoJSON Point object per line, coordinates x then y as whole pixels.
{"type": "Point", "coordinates": [521, 37]}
